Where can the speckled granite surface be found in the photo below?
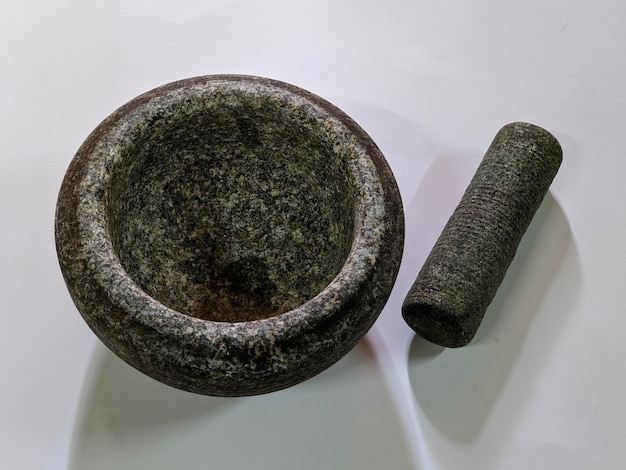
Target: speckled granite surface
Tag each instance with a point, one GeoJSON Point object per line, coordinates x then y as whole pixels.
{"type": "Point", "coordinates": [461, 275]}
{"type": "Point", "coordinates": [229, 235]}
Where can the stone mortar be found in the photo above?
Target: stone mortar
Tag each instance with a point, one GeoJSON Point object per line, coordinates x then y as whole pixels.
{"type": "Point", "coordinates": [229, 235]}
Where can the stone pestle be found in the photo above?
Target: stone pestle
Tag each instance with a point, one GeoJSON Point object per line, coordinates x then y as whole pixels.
{"type": "Point", "coordinates": [461, 275]}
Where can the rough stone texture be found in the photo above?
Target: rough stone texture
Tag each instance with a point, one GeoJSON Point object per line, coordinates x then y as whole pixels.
{"type": "Point", "coordinates": [229, 235]}
{"type": "Point", "coordinates": [461, 275]}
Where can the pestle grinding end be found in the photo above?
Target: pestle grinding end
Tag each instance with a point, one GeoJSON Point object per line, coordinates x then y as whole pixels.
{"type": "Point", "coordinates": [462, 273]}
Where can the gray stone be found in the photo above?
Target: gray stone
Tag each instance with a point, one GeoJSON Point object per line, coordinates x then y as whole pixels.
{"type": "Point", "coordinates": [229, 235]}
{"type": "Point", "coordinates": [461, 275]}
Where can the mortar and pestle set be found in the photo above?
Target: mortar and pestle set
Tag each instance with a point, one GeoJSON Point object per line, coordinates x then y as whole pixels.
{"type": "Point", "coordinates": [233, 235]}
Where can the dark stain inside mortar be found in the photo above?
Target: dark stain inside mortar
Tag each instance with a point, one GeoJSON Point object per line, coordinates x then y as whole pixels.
{"type": "Point", "coordinates": [232, 210]}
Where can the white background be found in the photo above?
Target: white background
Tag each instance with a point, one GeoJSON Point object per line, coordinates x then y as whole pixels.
{"type": "Point", "coordinates": [542, 386]}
